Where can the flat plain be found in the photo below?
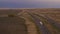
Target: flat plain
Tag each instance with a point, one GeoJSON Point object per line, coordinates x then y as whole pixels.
{"type": "Point", "coordinates": [30, 21]}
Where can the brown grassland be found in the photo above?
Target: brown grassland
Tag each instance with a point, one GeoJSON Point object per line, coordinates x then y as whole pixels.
{"type": "Point", "coordinates": [18, 21]}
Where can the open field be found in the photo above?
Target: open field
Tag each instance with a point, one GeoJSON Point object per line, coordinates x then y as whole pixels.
{"type": "Point", "coordinates": [30, 21]}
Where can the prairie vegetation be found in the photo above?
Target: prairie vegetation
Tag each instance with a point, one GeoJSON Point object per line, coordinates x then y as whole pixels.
{"type": "Point", "coordinates": [17, 24]}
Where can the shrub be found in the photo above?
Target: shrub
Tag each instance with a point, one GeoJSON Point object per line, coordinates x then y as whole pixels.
{"type": "Point", "coordinates": [11, 15]}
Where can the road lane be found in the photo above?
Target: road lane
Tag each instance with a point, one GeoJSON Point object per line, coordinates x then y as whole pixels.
{"type": "Point", "coordinates": [50, 21]}
{"type": "Point", "coordinates": [41, 23]}
{"type": "Point", "coordinates": [42, 28]}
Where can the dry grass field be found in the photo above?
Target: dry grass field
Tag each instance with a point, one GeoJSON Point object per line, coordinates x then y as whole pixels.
{"type": "Point", "coordinates": [27, 21]}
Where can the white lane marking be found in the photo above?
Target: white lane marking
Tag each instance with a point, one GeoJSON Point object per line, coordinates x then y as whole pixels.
{"type": "Point", "coordinates": [41, 23]}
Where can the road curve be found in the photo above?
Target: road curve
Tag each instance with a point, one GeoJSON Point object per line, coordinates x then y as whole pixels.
{"type": "Point", "coordinates": [42, 28]}
{"type": "Point", "coordinates": [53, 22]}
{"type": "Point", "coordinates": [50, 21]}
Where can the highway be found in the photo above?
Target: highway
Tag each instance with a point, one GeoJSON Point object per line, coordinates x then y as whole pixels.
{"type": "Point", "coordinates": [40, 25]}
{"type": "Point", "coordinates": [53, 23]}
{"type": "Point", "coordinates": [50, 21]}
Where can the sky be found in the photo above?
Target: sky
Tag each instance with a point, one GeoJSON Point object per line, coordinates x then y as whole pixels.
{"type": "Point", "coordinates": [29, 3]}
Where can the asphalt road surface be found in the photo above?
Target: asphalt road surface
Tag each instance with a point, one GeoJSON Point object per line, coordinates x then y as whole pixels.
{"type": "Point", "coordinates": [41, 26]}
{"type": "Point", "coordinates": [52, 22]}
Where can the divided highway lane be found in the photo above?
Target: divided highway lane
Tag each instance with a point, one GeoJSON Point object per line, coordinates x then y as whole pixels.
{"type": "Point", "coordinates": [41, 27]}
{"type": "Point", "coordinates": [52, 22]}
